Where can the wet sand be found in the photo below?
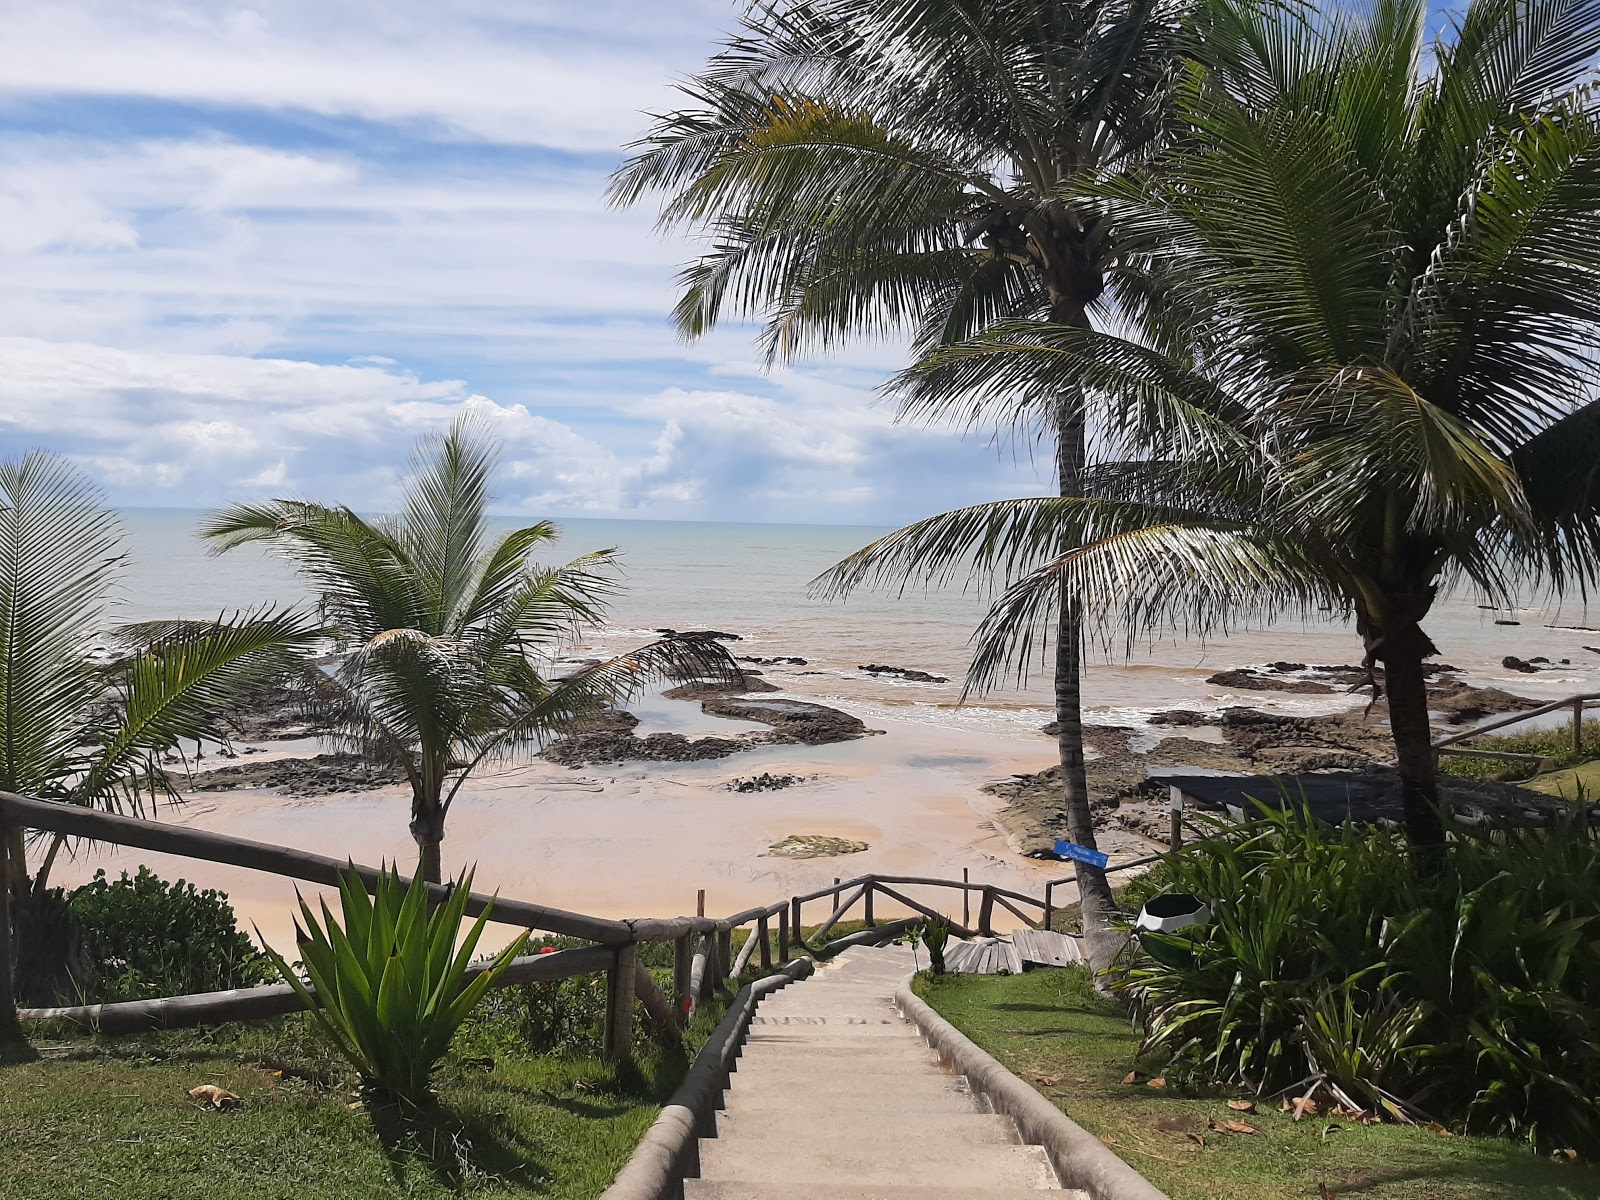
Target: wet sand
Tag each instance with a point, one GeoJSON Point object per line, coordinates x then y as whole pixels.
{"type": "Point", "coordinates": [639, 839]}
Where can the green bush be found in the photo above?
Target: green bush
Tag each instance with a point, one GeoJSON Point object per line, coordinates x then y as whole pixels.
{"type": "Point", "coordinates": [390, 984]}
{"type": "Point", "coordinates": [1471, 996]}
{"type": "Point", "coordinates": [144, 937]}
{"type": "Point", "coordinates": [1554, 743]}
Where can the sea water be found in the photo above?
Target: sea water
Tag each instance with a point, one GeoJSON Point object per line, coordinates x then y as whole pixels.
{"type": "Point", "coordinates": [756, 581]}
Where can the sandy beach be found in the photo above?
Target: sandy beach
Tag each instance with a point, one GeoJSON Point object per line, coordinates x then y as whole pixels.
{"type": "Point", "coordinates": [639, 839]}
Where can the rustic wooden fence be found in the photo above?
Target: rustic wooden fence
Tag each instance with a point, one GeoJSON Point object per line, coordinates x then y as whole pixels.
{"type": "Point", "coordinates": [1577, 704]}
{"type": "Point", "coordinates": [703, 956]}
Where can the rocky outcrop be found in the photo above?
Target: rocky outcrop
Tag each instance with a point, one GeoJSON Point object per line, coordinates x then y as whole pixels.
{"type": "Point", "coordinates": [1246, 679]}
{"type": "Point", "coordinates": [320, 775]}
{"type": "Point", "coordinates": [792, 720]}
{"type": "Point", "coordinates": [906, 673]}
{"type": "Point", "coordinates": [700, 689]}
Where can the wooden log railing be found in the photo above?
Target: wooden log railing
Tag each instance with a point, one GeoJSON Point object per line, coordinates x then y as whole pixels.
{"type": "Point", "coordinates": [1451, 744]}
{"type": "Point", "coordinates": [703, 958]}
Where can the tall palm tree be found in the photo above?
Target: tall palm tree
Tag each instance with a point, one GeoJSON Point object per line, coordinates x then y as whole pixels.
{"type": "Point", "coordinates": [1396, 250]}
{"type": "Point", "coordinates": [864, 166]}
{"type": "Point", "coordinates": [449, 629]}
{"type": "Point", "coordinates": [86, 713]}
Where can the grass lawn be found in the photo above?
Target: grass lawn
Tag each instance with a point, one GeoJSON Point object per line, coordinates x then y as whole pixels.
{"type": "Point", "coordinates": [112, 1117]}
{"type": "Point", "coordinates": [1571, 783]}
{"type": "Point", "coordinates": [1076, 1047]}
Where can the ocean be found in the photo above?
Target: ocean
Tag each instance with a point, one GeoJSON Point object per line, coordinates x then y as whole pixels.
{"type": "Point", "coordinates": [752, 580]}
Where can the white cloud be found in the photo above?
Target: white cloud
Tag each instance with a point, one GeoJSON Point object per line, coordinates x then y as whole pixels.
{"type": "Point", "coordinates": [549, 73]}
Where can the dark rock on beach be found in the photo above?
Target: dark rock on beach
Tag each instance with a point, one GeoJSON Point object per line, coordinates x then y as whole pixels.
{"type": "Point", "coordinates": [781, 660]}
{"type": "Point", "coordinates": [1512, 663]}
{"type": "Point", "coordinates": [715, 635]}
{"type": "Point", "coordinates": [700, 689]}
{"type": "Point", "coordinates": [1249, 680]}
{"type": "Point", "coordinates": [321, 775]}
{"type": "Point", "coordinates": [792, 720]}
{"type": "Point", "coordinates": [905, 673]}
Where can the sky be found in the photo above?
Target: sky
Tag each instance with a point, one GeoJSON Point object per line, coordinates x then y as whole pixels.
{"type": "Point", "coordinates": [255, 250]}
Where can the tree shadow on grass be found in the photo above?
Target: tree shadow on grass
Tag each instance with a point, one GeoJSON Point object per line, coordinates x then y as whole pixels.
{"type": "Point", "coordinates": [451, 1147]}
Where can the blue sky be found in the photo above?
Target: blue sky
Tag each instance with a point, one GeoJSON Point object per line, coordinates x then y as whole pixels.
{"type": "Point", "coordinates": [257, 249]}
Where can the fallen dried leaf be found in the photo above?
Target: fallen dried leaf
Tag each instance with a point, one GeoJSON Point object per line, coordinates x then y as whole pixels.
{"type": "Point", "coordinates": [1157, 1082]}
{"type": "Point", "coordinates": [1324, 1194]}
{"type": "Point", "coordinates": [1197, 1137]}
{"type": "Point", "coordinates": [1246, 1106]}
{"type": "Point", "coordinates": [1046, 1080]}
{"type": "Point", "coordinates": [219, 1098]}
{"type": "Point", "coordinates": [1110, 1141]}
{"type": "Point", "coordinates": [1435, 1128]}
{"type": "Point", "coordinates": [1230, 1126]}
{"type": "Point", "coordinates": [1327, 1129]}
{"type": "Point", "coordinates": [1564, 1155]}
{"type": "Point", "coordinates": [1304, 1106]}
{"type": "Point", "coordinates": [1131, 1077]}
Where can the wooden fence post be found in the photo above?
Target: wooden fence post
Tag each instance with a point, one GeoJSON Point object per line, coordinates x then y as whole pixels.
{"type": "Point", "coordinates": [724, 953]}
{"type": "Point", "coordinates": [766, 943]}
{"type": "Point", "coordinates": [794, 922]}
{"type": "Point", "coordinates": [966, 900]}
{"type": "Point", "coordinates": [700, 903]}
{"type": "Point", "coordinates": [986, 911]}
{"type": "Point", "coordinates": [10, 1030]}
{"type": "Point", "coordinates": [619, 1005]}
{"type": "Point", "coordinates": [866, 906]}
{"type": "Point", "coordinates": [1049, 909]}
{"type": "Point", "coordinates": [1577, 728]}
{"type": "Point", "coordinates": [783, 934]}
{"type": "Point", "coordinates": [682, 968]}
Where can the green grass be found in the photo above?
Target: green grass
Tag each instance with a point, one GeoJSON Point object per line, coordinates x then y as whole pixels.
{"type": "Point", "coordinates": [1554, 743]}
{"type": "Point", "coordinates": [1571, 783]}
{"type": "Point", "coordinates": [1077, 1047]}
{"type": "Point", "coordinates": [111, 1117]}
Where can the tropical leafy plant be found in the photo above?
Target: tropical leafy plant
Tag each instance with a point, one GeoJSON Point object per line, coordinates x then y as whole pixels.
{"type": "Point", "coordinates": [143, 936]}
{"type": "Point", "coordinates": [450, 628]}
{"type": "Point", "coordinates": [1369, 380]}
{"type": "Point", "coordinates": [1469, 995]}
{"type": "Point", "coordinates": [861, 167]}
{"type": "Point", "coordinates": [391, 984]}
{"type": "Point", "coordinates": [87, 713]}
{"type": "Point", "coordinates": [935, 936]}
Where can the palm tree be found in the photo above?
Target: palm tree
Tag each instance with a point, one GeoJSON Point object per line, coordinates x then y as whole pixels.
{"type": "Point", "coordinates": [1395, 247]}
{"type": "Point", "coordinates": [446, 626]}
{"type": "Point", "coordinates": [865, 166]}
{"type": "Point", "coordinates": [86, 713]}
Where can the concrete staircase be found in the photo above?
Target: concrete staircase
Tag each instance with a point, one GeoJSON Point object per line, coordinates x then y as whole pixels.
{"type": "Point", "coordinates": [836, 1097]}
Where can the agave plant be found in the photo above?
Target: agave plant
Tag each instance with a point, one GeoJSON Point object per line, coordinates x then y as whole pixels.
{"type": "Point", "coordinates": [390, 985]}
{"type": "Point", "coordinates": [935, 936]}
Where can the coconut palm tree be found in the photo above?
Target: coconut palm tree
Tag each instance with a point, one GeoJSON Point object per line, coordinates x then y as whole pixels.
{"type": "Point", "coordinates": [449, 628]}
{"type": "Point", "coordinates": [87, 712]}
{"type": "Point", "coordinates": [1396, 249]}
{"type": "Point", "coordinates": [866, 166]}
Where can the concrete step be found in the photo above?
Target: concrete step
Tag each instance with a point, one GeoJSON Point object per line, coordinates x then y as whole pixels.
{"type": "Point", "coordinates": [930, 1160]}
{"type": "Point", "coordinates": [799, 1131]}
{"type": "Point", "coordinates": [866, 1068]}
{"type": "Point", "coordinates": [862, 1049]}
{"type": "Point", "coordinates": [717, 1189]}
{"type": "Point", "coordinates": [774, 1105]}
{"type": "Point", "coordinates": [889, 1089]}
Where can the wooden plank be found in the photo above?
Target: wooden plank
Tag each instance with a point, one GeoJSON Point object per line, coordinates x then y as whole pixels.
{"type": "Point", "coordinates": [164, 838]}
{"type": "Point", "coordinates": [277, 999]}
{"type": "Point", "coordinates": [833, 917]}
{"type": "Point", "coordinates": [960, 931]}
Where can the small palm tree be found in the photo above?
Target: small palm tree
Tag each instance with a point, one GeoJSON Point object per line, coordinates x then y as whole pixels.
{"type": "Point", "coordinates": [1395, 250]}
{"type": "Point", "coordinates": [87, 712]}
{"type": "Point", "coordinates": [867, 166]}
{"type": "Point", "coordinates": [448, 628]}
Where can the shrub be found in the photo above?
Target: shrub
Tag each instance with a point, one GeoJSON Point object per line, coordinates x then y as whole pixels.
{"type": "Point", "coordinates": [144, 937]}
{"type": "Point", "coordinates": [391, 983]}
{"type": "Point", "coordinates": [1470, 996]}
{"type": "Point", "coordinates": [935, 936]}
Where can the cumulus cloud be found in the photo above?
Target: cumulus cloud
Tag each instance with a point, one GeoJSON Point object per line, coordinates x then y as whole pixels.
{"type": "Point", "coordinates": [256, 249]}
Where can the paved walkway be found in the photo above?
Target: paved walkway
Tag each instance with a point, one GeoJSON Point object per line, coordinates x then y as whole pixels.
{"type": "Point", "coordinates": [836, 1097]}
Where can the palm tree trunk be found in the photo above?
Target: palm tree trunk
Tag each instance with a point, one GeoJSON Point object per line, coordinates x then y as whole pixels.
{"type": "Point", "coordinates": [1094, 890]}
{"type": "Point", "coordinates": [1407, 691]}
{"type": "Point", "coordinates": [427, 830]}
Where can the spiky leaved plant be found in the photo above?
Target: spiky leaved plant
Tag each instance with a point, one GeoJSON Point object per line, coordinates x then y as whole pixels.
{"type": "Point", "coordinates": [391, 985]}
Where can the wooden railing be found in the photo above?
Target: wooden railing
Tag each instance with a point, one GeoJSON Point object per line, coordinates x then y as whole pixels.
{"type": "Point", "coordinates": [702, 946]}
{"type": "Point", "coordinates": [1451, 744]}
